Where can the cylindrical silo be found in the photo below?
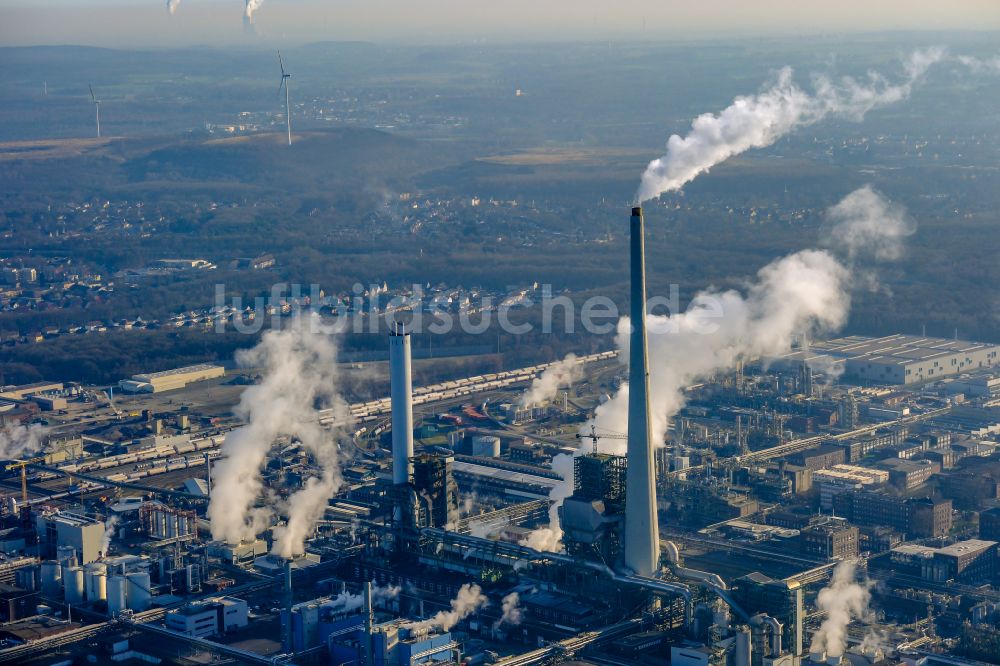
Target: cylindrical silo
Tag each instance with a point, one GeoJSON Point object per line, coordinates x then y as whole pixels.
{"type": "Point", "coordinates": [139, 594]}
{"type": "Point", "coordinates": [486, 446]}
{"type": "Point", "coordinates": [117, 593]}
{"type": "Point", "coordinates": [51, 579]}
{"type": "Point", "coordinates": [73, 585]}
{"type": "Point", "coordinates": [95, 581]}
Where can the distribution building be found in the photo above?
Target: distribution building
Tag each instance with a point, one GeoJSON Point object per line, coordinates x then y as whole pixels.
{"type": "Point", "coordinates": [896, 359]}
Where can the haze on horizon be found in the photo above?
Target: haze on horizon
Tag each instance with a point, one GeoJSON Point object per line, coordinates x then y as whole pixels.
{"type": "Point", "coordinates": [131, 23]}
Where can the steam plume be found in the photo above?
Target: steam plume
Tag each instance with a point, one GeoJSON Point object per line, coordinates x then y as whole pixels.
{"type": "Point", "coordinates": [512, 613]}
{"type": "Point", "coordinates": [345, 602]}
{"type": "Point", "coordinates": [805, 292]}
{"type": "Point", "coordinates": [844, 601]}
{"type": "Point", "coordinates": [299, 376]}
{"type": "Point", "coordinates": [978, 65]}
{"type": "Point", "coordinates": [470, 598]}
{"type": "Point", "coordinates": [865, 222]}
{"type": "Point", "coordinates": [762, 119]}
{"type": "Point", "coordinates": [20, 440]}
{"type": "Point", "coordinates": [546, 386]}
{"type": "Point", "coordinates": [109, 533]}
{"type": "Point", "coordinates": [172, 6]}
{"type": "Point", "coordinates": [251, 7]}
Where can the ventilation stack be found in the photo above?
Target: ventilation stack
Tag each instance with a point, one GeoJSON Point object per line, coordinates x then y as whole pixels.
{"type": "Point", "coordinates": [642, 534]}
{"type": "Point", "coordinates": [401, 387]}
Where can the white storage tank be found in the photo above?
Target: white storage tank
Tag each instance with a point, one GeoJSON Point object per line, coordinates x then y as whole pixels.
{"type": "Point", "coordinates": [73, 585]}
{"type": "Point", "coordinates": [486, 446]}
{"type": "Point", "coordinates": [139, 594]}
{"type": "Point", "coordinates": [51, 579]}
{"type": "Point", "coordinates": [95, 581]}
{"type": "Point", "coordinates": [117, 593]}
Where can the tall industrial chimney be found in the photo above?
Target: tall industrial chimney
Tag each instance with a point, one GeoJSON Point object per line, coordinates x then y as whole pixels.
{"type": "Point", "coordinates": [642, 534]}
{"type": "Point", "coordinates": [401, 388]}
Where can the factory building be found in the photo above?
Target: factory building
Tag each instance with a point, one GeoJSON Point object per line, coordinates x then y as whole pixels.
{"type": "Point", "coordinates": [832, 539]}
{"type": "Point", "coordinates": [592, 516]}
{"type": "Point", "coordinates": [989, 524]}
{"type": "Point", "coordinates": [968, 561]}
{"type": "Point", "coordinates": [914, 517]}
{"type": "Point", "coordinates": [210, 617]}
{"type": "Point", "coordinates": [910, 474]}
{"type": "Point", "coordinates": [63, 529]}
{"type": "Point", "coordinates": [897, 359]}
{"type": "Point", "coordinates": [352, 636]}
{"type": "Point", "coordinates": [435, 491]}
{"type": "Point", "coordinates": [17, 603]}
{"type": "Point", "coordinates": [841, 478]}
{"type": "Point", "coordinates": [169, 380]}
{"type": "Point", "coordinates": [782, 600]}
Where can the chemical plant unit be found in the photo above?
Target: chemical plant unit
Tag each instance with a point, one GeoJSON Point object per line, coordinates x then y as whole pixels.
{"type": "Point", "coordinates": [471, 527]}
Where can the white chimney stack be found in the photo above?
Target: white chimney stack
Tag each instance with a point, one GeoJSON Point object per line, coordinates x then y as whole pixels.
{"type": "Point", "coordinates": [401, 388]}
{"type": "Point", "coordinates": [642, 534]}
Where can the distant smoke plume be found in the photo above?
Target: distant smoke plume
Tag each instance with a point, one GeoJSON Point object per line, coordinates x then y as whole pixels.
{"type": "Point", "coordinates": [512, 613]}
{"type": "Point", "coordinates": [345, 602]}
{"type": "Point", "coordinates": [561, 374]}
{"type": "Point", "coordinates": [979, 66]}
{"type": "Point", "coordinates": [251, 7]}
{"type": "Point", "coordinates": [109, 533]}
{"type": "Point", "coordinates": [299, 376]}
{"type": "Point", "coordinates": [470, 598]}
{"type": "Point", "coordinates": [172, 6]}
{"type": "Point", "coordinates": [864, 222]}
{"type": "Point", "coordinates": [760, 120]}
{"type": "Point", "coordinates": [17, 441]}
{"type": "Point", "coordinates": [844, 601]}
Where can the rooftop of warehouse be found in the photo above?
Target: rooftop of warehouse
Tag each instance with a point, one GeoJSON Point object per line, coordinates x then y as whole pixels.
{"type": "Point", "coordinates": [201, 367]}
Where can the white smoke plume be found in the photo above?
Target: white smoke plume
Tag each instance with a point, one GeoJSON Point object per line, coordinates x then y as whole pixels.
{"type": "Point", "coordinates": [865, 222]}
{"type": "Point", "coordinates": [299, 377]}
{"type": "Point", "coordinates": [805, 292]}
{"type": "Point", "coordinates": [560, 374]}
{"type": "Point", "coordinates": [760, 120]}
{"type": "Point", "coordinates": [981, 66]}
{"type": "Point", "coordinates": [844, 600]}
{"type": "Point", "coordinates": [512, 613]}
{"type": "Point", "coordinates": [172, 6]}
{"type": "Point", "coordinates": [248, 11]}
{"type": "Point", "coordinates": [109, 533]}
{"type": "Point", "coordinates": [17, 441]}
{"type": "Point", "coordinates": [549, 538]}
{"type": "Point", "coordinates": [469, 599]}
{"type": "Point", "coordinates": [345, 602]}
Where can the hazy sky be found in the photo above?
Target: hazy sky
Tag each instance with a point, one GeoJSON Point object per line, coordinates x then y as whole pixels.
{"type": "Point", "coordinates": [148, 22]}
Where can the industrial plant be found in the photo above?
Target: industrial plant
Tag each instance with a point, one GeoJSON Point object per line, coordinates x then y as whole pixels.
{"type": "Point", "coordinates": [497, 519]}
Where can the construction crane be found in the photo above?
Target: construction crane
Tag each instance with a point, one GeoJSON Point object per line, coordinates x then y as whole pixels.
{"type": "Point", "coordinates": [593, 436]}
{"type": "Point", "coordinates": [23, 465]}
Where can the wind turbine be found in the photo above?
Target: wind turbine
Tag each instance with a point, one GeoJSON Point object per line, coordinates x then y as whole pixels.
{"type": "Point", "coordinates": [288, 108]}
{"type": "Point", "coordinates": [97, 108]}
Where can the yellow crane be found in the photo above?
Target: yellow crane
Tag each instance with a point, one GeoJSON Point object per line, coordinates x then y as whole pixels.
{"type": "Point", "coordinates": [22, 465]}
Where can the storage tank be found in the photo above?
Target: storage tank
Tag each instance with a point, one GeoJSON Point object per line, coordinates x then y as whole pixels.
{"type": "Point", "coordinates": [95, 581]}
{"type": "Point", "coordinates": [73, 585]}
{"type": "Point", "coordinates": [139, 594]}
{"type": "Point", "coordinates": [486, 446]}
{"type": "Point", "coordinates": [51, 579]}
{"type": "Point", "coordinates": [117, 591]}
